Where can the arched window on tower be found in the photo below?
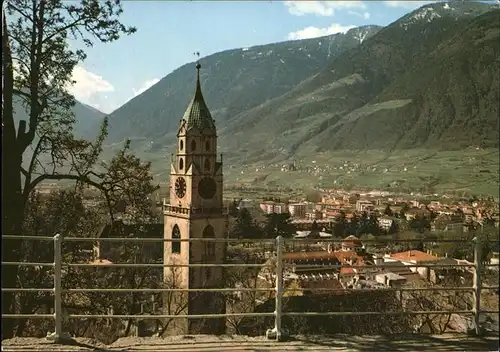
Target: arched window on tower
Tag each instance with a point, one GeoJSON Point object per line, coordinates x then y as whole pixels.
{"type": "Point", "coordinates": [176, 236]}
{"type": "Point", "coordinates": [207, 146]}
{"type": "Point", "coordinates": [207, 165]}
{"type": "Point", "coordinates": [181, 164]}
{"type": "Point", "coordinates": [209, 251]}
{"type": "Point", "coordinates": [181, 145]}
{"type": "Point", "coordinates": [193, 145]}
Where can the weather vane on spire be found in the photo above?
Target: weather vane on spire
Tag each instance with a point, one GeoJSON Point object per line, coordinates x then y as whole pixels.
{"type": "Point", "coordinates": [197, 54]}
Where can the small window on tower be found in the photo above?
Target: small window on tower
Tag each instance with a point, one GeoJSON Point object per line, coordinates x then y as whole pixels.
{"type": "Point", "coordinates": [181, 164]}
{"type": "Point", "coordinates": [207, 164]}
{"type": "Point", "coordinates": [176, 236]}
{"type": "Point", "coordinates": [181, 145]}
{"type": "Point", "coordinates": [207, 146]}
{"type": "Point", "coordinates": [193, 145]}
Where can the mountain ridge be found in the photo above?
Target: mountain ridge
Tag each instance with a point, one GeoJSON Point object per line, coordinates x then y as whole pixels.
{"type": "Point", "coordinates": [232, 81]}
{"type": "Point", "coordinates": [346, 84]}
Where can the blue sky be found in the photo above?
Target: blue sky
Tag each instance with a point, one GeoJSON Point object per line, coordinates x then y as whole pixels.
{"type": "Point", "coordinates": [168, 32]}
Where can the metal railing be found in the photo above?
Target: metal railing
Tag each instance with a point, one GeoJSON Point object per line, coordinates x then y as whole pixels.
{"type": "Point", "coordinates": [277, 266]}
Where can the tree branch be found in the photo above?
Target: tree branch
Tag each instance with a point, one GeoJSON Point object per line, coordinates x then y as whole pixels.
{"type": "Point", "coordinates": [28, 174]}
{"type": "Point", "coordinates": [62, 29]}
{"type": "Point", "coordinates": [9, 129]}
{"type": "Point", "coordinates": [35, 60]}
{"type": "Point", "coordinates": [18, 10]}
{"type": "Point", "coordinates": [59, 177]}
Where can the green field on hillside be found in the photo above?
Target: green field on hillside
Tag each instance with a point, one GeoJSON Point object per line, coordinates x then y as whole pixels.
{"type": "Point", "coordinates": [472, 171]}
{"type": "Point", "coordinates": [469, 172]}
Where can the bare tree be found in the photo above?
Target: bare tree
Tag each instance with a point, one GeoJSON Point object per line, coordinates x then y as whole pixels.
{"type": "Point", "coordinates": [442, 300]}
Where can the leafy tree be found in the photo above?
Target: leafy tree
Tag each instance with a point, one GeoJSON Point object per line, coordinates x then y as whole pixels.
{"type": "Point", "coordinates": [340, 226]}
{"type": "Point", "coordinates": [233, 208]}
{"type": "Point", "coordinates": [394, 228]}
{"type": "Point", "coordinates": [313, 196]}
{"type": "Point", "coordinates": [420, 224]}
{"type": "Point", "coordinates": [388, 210]}
{"type": "Point", "coordinates": [245, 226]}
{"type": "Point", "coordinates": [353, 226]}
{"type": "Point", "coordinates": [362, 226]}
{"type": "Point", "coordinates": [279, 225]}
{"type": "Point", "coordinates": [315, 227]}
{"type": "Point", "coordinates": [372, 225]}
{"type": "Point", "coordinates": [403, 210]}
{"type": "Point", "coordinates": [37, 64]}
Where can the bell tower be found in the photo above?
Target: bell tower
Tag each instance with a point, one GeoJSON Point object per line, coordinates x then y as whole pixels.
{"type": "Point", "coordinates": [195, 210]}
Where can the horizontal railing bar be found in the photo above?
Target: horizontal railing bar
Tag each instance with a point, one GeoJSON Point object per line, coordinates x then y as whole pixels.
{"type": "Point", "coordinates": [246, 289]}
{"type": "Point", "coordinates": [490, 287]}
{"type": "Point", "coordinates": [386, 240]}
{"type": "Point", "coordinates": [30, 316]}
{"type": "Point", "coordinates": [251, 240]}
{"type": "Point", "coordinates": [167, 316]}
{"type": "Point", "coordinates": [378, 313]}
{"type": "Point", "coordinates": [205, 316]}
{"type": "Point", "coordinates": [382, 266]}
{"type": "Point", "coordinates": [155, 265]}
{"type": "Point", "coordinates": [10, 289]}
{"type": "Point", "coordinates": [153, 239]}
{"type": "Point", "coordinates": [388, 289]}
{"type": "Point", "coordinates": [168, 289]}
{"type": "Point", "coordinates": [27, 263]}
{"type": "Point", "coordinates": [22, 237]}
{"type": "Point", "coordinates": [489, 311]}
{"type": "Point", "coordinates": [491, 265]}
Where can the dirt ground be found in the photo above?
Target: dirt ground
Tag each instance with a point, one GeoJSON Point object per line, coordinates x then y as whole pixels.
{"type": "Point", "coordinates": [446, 342]}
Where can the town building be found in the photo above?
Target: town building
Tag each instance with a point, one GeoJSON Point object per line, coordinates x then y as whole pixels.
{"type": "Point", "coordinates": [297, 210]}
{"type": "Point", "coordinates": [364, 205]}
{"type": "Point", "coordinates": [196, 211]}
{"type": "Point", "coordinates": [412, 258]}
{"type": "Point", "coordinates": [386, 222]}
{"type": "Point", "coordinates": [271, 207]}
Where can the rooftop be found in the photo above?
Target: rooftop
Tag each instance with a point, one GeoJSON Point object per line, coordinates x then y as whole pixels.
{"type": "Point", "coordinates": [197, 114]}
{"type": "Point", "coordinates": [414, 255]}
{"type": "Point", "coordinates": [238, 343]}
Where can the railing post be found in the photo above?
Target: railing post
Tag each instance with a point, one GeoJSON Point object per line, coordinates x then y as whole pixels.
{"type": "Point", "coordinates": [277, 333]}
{"type": "Point", "coordinates": [477, 284]}
{"type": "Point", "coordinates": [58, 336]}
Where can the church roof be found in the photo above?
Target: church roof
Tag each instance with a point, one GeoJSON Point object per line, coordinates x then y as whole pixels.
{"type": "Point", "coordinates": [197, 114]}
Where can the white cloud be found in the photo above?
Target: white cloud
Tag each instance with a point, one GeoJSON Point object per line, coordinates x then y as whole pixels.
{"type": "Point", "coordinates": [407, 4]}
{"type": "Point", "coordinates": [321, 8]}
{"type": "Point", "coordinates": [88, 86]}
{"type": "Point", "coordinates": [313, 32]}
{"type": "Point", "coordinates": [145, 86]}
{"type": "Point", "coordinates": [364, 15]}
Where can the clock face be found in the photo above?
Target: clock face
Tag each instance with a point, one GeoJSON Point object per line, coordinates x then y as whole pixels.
{"type": "Point", "coordinates": [207, 188]}
{"type": "Point", "coordinates": [180, 187]}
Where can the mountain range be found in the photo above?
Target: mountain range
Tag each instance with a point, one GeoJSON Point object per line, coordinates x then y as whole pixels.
{"type": "Point", "coordinates": [428, 80]}
{"type": "Point", "coordinates": [233, 82]}
{"type": "Point", "coordinates": [87, 118]}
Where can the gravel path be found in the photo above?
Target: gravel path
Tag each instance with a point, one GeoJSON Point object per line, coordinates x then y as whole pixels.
{"type": "Point", "coordinates": [206, 343]}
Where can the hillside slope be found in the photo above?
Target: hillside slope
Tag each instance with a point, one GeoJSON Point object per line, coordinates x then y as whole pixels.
{"type": "Point", "coordinates": [233, 81]}
{"type": "Point", "coordinates": [449, 100]}
{"type": "Point", "coordinates": [87, 119]}
{"type": "Point", "coordinates": [383, 93]}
